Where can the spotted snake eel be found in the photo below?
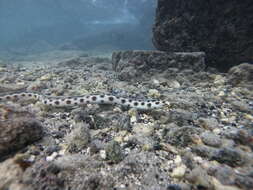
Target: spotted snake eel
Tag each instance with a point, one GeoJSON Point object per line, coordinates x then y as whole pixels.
{"type": "Point", "coordinates": [87, 99]}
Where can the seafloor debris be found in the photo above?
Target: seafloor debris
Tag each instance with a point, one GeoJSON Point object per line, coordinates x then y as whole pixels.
{"type": "Point", "coordinates": [203, 141]}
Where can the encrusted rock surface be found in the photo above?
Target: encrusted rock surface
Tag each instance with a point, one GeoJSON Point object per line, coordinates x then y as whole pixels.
{"type": "Point", "coordinates": [203, 140]}
{"type": "Point", "coordinates": [222, 29]}
{"type": "Point", "coordinates": [129, 64]}
{"type": "Point", "coordinates": [18, 129]}
{"type": "Point", "coordinates": [241, 75]}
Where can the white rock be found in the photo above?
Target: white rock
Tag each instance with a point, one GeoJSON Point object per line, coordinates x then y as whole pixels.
{"type": "Point", "coordinates": [51, 157]}
{"type": "Point", "coordinates": [179, 171]}
{"type": "Point", "coordinates": [178, 160]}
{"type": "Point", "coordinates": [217, 131]}
{"type": "Point", "coordinates": [102, 154]}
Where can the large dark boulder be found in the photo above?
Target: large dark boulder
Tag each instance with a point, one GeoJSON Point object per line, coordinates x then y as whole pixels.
{"type": "Point", "coordinates": [222, 29]}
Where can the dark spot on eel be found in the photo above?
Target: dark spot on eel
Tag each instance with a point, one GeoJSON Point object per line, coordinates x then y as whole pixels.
{"type": "Point", "coordinates": [68, 102]}
{"type": "Point", "coordinates": [123, 101]}
{"type": "Point", "coordinates": [94, 98]}
{"type": "Point", "coordinates": [111, 98]}
{"type": "Point", "coordinates": [57, 102]}
{"type": "Point", "coordinates": [149, 104]}
{"type": "Point", "coordinates": [81, 100]}
{"type": "Point", "coordinates": [136, 103]}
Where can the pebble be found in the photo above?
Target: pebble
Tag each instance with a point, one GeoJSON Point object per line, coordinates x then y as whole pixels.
{"type": "Point", "coordinates": [179, 171]}
{"type": "Point", "coordinates": [208, 123]}
{"type": "Point", "coordinates": [102, 154]}
{"type": "Point", "coordinates": [51, 157]}
{"type": "Point", "coordinates": [178, 160]}
{"type": "Point", "coordinates": [154, 93]}
{"type": "Point", "coordinates": [114, 152]}
{"type": "Point", "coordinates": [211, 139]}
{"type": "Point", "coordinates": [229, 156]}
{"type": "Point", "coordinates": [200, 178]}
{"type": "Point", "coordinates": [143, 129]}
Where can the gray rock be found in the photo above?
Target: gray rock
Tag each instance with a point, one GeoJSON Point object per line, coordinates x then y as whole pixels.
{"type": "Point", "coordinates": [78, 138]}
{"type": "Point", "coordinates": [132, 64]}
{"type": "Point", "coordinates": [193, 25]}
{"type": "Point", "coordinates": [240, 136]}
{"type": "Point", "coordinates": [227, 176]}
{"type": "Point", "coordinates": [208, 123]}
{"type": "Point", "coordinates": [242, 106]}
{"type": "Point", "coordinates": [11, 174]}
{"type": "Point", "coordinates": [182, 136]}
{"type": "Point", "coordinates": [199, 177]}
{"type": "Point", "coordinates": [181, 117]}
{"type": "Point", "coordinates": [211, 139]}
{"type": "Point", "coordinates": [95, 146]}
{"type": "Point", "coordinates": [43, 175]}
{"type": "Point", "coordinates": [241, 75]}
{"type": "Point", "coordinates": [18, 129]}
{"type": "Point", "coordinates": [244, 182]}
{"type": "Point", "coordinates": [147, 167]}
{"type": "Point", "coordinates": [224, 174]}
{"type": "Point", "coordinates": [114, 152]}
{"type": "Point", "coordinates": [92, 181]}
{"type": "Point", "coordinates": [204, 151]}
{"type": "Point", "coordinates": [229, 156]}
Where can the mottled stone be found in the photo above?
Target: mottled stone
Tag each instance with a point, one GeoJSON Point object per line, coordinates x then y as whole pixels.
{"type": "Point", "coordinates": [211, 139]}
{"type": "Point", "coordinates": [43, 175]}
{"type": "Point", "coordinates": [229, 156]}
{"type": "Point", "coordinates": [182, 137]}
{"type": "Point", "coordinates": [241, 75]}
{"type": "Point", "coordinates": [114, 152]}
{"type": "Point", "coordinates": [200, 178]}
{"type": "Point", "coordinates": [208, 123]}
{"type": "Point", "coordinates": [18, 129]}
{"type": "Point", "coordinates": [224, 174]}
{"type": "Point", "coordinates": [204, 151]}
{"type": "Point", "coordinates": [179, 171]}
{"type": "Point", "coordinates": [78, 138]}
{"type": "Point", "coordinates": [11, 174]}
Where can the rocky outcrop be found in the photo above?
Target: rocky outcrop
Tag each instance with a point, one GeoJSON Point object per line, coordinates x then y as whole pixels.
{"type": "Point", "coordinates": [222, 29]}
{"type": "Point", "coordinates": [132, 64]}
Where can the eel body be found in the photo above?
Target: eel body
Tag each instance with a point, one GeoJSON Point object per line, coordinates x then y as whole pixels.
{"type": "Point", "coordinates": [86, 99]}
